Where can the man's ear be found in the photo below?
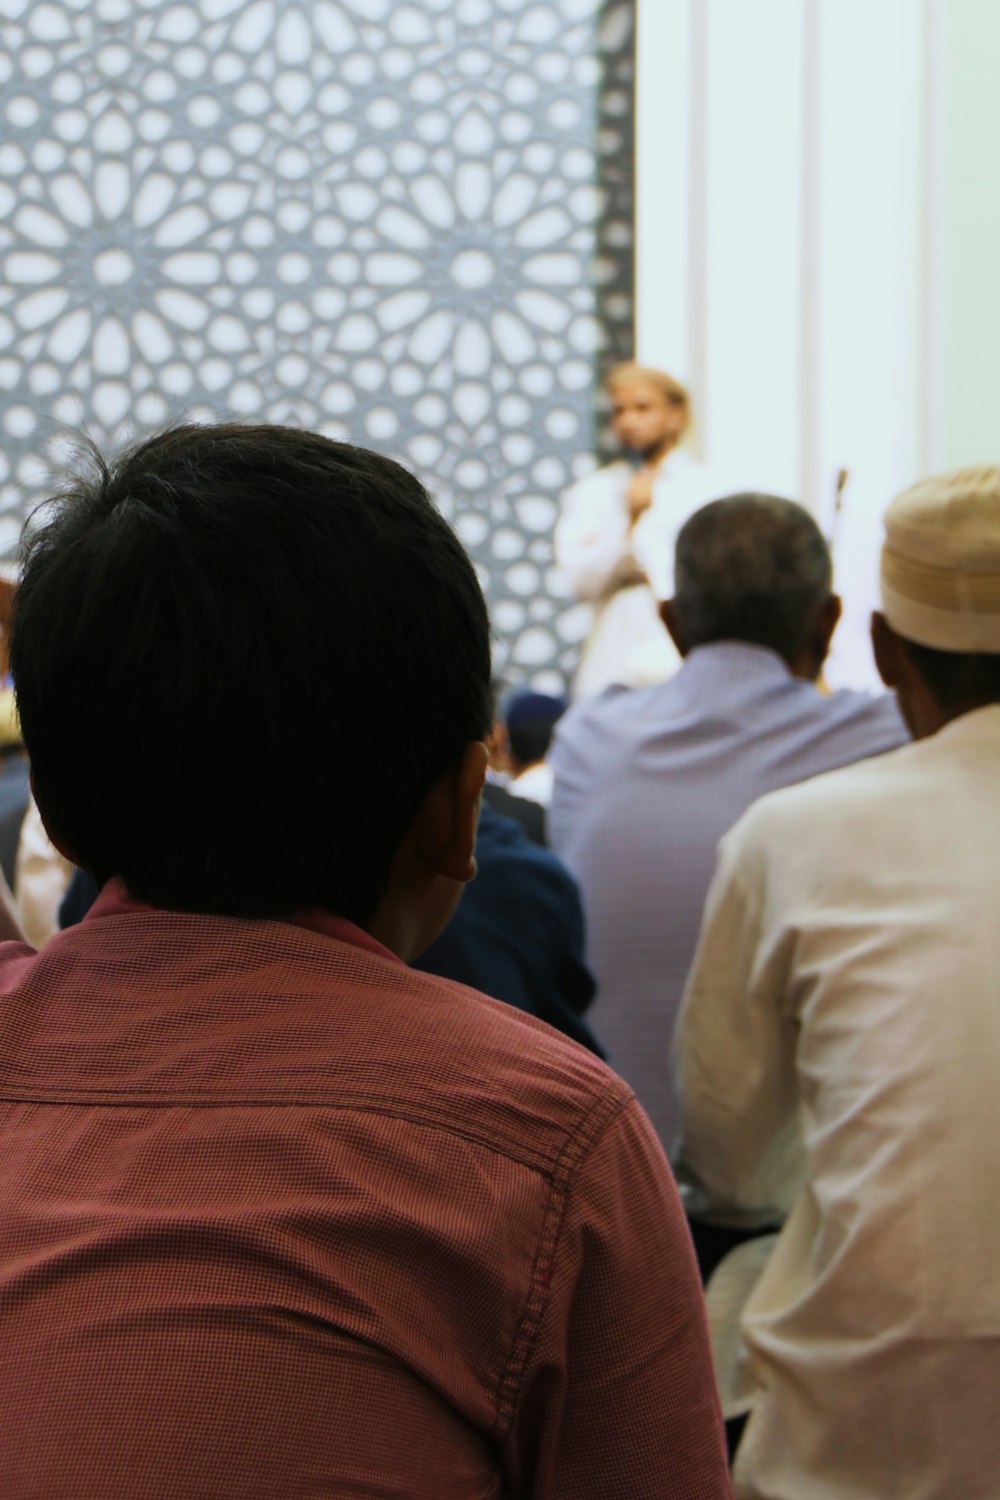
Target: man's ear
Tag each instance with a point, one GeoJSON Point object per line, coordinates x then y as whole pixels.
{"type": "Point", "coordinates": [890, 655]}
{"type": "Point", "coordinates": [668, 614]}
{"type": "Point", "coordinates": [449, 818]}
{"type": "Point", "coordinates": [829, 619]}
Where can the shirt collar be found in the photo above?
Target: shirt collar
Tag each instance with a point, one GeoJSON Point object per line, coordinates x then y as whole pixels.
{"type": "Point", "coordinates": [742, 656]}
{"type": "Point", "coordinates": [975, 723]}
{"type": "Point", "coordinates": [115, 901]}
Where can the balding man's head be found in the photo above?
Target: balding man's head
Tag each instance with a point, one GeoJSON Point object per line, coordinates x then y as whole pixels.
{"type": "Point", "coordinates": [755, 568]}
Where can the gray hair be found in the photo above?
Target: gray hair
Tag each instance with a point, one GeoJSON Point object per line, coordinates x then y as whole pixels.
{"type": "Point", "coordinates": [751, 568]}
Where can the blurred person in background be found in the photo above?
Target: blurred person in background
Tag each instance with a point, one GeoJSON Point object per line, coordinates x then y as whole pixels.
{"type": "Point", "coordinates": [518, 931]}
{"type": "Point", "coordinates": [496, 791]}
{"type": "Point", "coordinates": [614, 538]}
{"type": "Point", "coordinates": [838, 1051]}
{"type": "Point", "coordinates": [647, 780]}
{"type": "Point", "coordinates": [530, 719]}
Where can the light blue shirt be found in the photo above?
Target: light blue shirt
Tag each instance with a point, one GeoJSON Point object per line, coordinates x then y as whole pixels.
{"type": "Point", "coordinates": [647, 780]}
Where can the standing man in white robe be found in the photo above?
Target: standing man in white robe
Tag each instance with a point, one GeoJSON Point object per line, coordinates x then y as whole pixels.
{"type": "Point", "coordinates": [615, 537]}
{"type": "Point", "coordinates": [838, 1052]}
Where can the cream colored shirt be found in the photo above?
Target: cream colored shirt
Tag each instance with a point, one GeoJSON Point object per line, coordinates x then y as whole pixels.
{"type": "Point", "coordinates": [628, 642]}
{"type": "Point", "coordinates": [838, 1053]}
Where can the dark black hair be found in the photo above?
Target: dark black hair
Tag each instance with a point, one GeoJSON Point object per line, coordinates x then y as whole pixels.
{"type": "Point", "coordinates": [751, 568]}
{"type": "Point", "coordinates": [242, 656]}
{"type": "Point", "coordinates": [958, 680]}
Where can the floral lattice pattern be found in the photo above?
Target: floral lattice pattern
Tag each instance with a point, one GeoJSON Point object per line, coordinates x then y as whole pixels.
{"type": "Point", "coordinates": [408, 225]}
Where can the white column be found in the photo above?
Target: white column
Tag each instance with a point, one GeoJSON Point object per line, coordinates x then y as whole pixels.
{"type": "Point", "coordinates": [801, 260]}
{"type": "Point", "coordinates": [663, 185]}
{"type": "Point", "coordinates": [870, 294]}
{"type": "Point", "coordinates": [753, 187]}
{"type": "Point", "coordinates": [969, 285]}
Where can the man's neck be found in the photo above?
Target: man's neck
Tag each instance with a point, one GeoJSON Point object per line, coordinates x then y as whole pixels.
{"type": "Point", "coordinates": [931, 716]}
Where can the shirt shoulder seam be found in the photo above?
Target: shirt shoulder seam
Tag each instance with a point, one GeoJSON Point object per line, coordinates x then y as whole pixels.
{"type": "Point", "coordinates": [578, 1144]}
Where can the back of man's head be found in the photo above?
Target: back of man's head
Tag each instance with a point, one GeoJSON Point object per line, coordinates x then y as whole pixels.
{"type": "Point", "coordinates": [751, 568]}
{"type": "Point", "coordinates": [531, 719]}
{"type": "Point", "coordinates": [243, 655]}
{"type": "Point", "coordinates": [940, 583]}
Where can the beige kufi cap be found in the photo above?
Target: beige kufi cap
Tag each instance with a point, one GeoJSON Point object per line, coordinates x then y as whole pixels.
{"type": "Point", "coordinates": [941, 561]}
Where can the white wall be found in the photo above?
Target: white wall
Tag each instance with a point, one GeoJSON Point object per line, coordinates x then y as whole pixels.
{"type": "Point", "coordinates": [818, 234]}
{"type": "Point", "coordinates": [969, 249]}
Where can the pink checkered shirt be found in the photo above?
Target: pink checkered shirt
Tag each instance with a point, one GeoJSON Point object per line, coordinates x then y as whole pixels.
{"type": "Point", "coordinates": [282, 1217]}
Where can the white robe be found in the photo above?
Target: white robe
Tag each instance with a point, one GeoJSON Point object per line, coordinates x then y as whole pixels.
{"type": "Point", "coordinates": [628, 642]}
{"type": "Point", "coordinates": [838, 1054]}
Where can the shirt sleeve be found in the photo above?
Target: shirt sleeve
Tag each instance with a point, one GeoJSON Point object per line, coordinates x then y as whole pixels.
{"type": "Point", "coordinates": [740, 1158]}
{"type": "Point", "coordinates": [591, 536]}
{"type": "Point", "coordinates": [619, 1396]}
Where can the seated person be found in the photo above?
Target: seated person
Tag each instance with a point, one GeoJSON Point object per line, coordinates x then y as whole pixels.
{"type": "Point", "coordinates": [283, 1216]}
{"type": "Point", "coordinates": [530, 815]}
{"type": "Point", "coordinates": [647, 780]}
{"type": "Point", "coordinates": [517, 932]}
{"type": "Point", "coordinates": [838, 1053]}
{"type": "Point", "coordinates": [530, 719]}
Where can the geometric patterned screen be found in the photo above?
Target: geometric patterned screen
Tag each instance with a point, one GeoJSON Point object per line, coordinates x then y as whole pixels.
{"type": "Point", "coordinates": [408, 225]}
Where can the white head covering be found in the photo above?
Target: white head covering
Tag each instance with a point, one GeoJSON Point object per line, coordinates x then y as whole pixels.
{"type": "Point", "coordinates": [941, 561]}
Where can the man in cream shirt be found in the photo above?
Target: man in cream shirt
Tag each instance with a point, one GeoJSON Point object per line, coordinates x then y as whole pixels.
{"type": "Point", "coordinates": [614, 541]}
{"type": "Point", "coordinates": [838, 1052]}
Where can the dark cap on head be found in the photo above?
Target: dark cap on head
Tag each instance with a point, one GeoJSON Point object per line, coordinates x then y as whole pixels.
{"type": "Point", "coordinates": [531, 717]}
